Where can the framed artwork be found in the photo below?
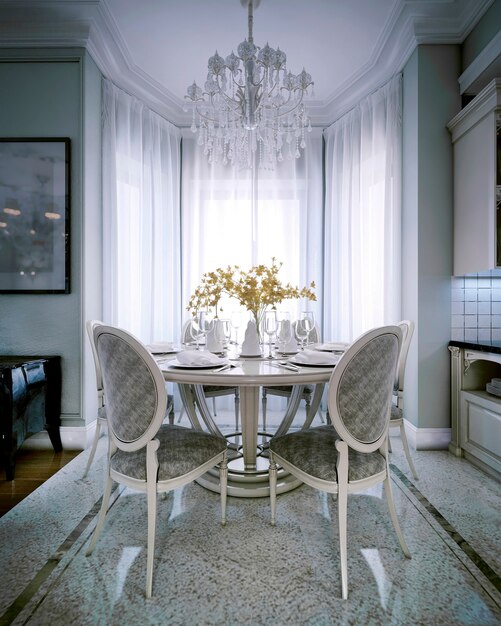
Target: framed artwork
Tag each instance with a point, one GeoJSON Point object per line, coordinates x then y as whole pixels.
{"type": "Point", "coordinates": [35, 215]}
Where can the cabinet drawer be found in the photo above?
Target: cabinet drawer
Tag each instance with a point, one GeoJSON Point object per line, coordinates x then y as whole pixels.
{"type": "Point", "coordinates": [481, 427]}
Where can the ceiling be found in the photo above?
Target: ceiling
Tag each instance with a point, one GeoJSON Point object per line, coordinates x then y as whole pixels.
{"type": "Point", "coordinates": [156, 48]}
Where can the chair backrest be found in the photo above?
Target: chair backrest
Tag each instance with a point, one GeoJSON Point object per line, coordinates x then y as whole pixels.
{"type": "Point", "coordinates": [90, 325]}
{"type": "Point", "coordinates": [407, 328]}
{"type": "Point", "coordinates": [136, 399]}
{"type": "Point", "coordinates": [361, 388]}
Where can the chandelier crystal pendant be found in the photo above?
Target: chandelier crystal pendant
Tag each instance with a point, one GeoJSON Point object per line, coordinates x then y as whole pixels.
{"type": "Point", "coordinates": [251, 106]}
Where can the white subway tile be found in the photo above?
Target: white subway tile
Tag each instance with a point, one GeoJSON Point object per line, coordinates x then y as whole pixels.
{"type": "Point", "coordinates": [470, 308]}
{"type": "Point", "coordinates": [496, 295]}
{"type": "Point", "coordinates": [457, 321]}
{"type": "Point", "coordinates": [457, 295]}
{"type": "Point", "coordinates": [484, 308]}
{"type": "Point", "coordinates": [470, 294]}
{"type": "Point", "coordinates": [496, 308]}
{"type": "Point", "coordinates": [484, 295]}
{"type": "Point", "coordinates": [457, 334]}
{"type": "Point", "coordinates": [470, 321]}
{"type": "Point", "coordinates": [457, 308]}
{"type": "Point", "coordinates": [484, 321]}
{"type": "Point", "coordinates": [471, 334]}
{"type": "Point", "coordinates": [471, 283]}
{"type": "Point", "coordinates": [496, 334]}
{"type": "Point", "coordinates": [484, 334]}
{"type": "Point", "coordinates": [457, 282]}
{"type": "Point", "coordinates": [496, 321]}
{"type": "Point", "coordinates": [484, 283]}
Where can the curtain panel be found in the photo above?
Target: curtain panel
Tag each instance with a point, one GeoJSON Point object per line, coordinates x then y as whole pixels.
{"type": "Point", "coordinates": [362, 235]}
{"type": "Point", "coordinates": [141, 222]}
{"type": "Point", "coordinates": [245, 217]}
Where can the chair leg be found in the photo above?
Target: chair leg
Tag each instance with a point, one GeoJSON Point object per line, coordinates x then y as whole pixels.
{"type": "Point", "coordinates": [171, 415]}
{"type": "Point", "coordinates": [389, 442]}
{"type": "Point", "coordinates": [152, 521]}
{"type": "Point", "coordinates": [94, 447]}
{"type": "Point", "coordinates": [223, 486]}
{"type": "Point", "coordinates": [393, 515]}
{"type": "Point", "coordinates": [102, 515]}
{"type": "Point", "coordinates": [406, 450]}
{"type": "Point", "coordinates": [181, 413]}
{"type": "Point", "coordinates": [273, 488]}
{"type": "Point", "coordinates": [342, 512]}
{"type": "Point", "coordinates": [214, 406]}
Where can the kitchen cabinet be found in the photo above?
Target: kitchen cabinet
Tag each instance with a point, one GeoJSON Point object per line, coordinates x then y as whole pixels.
{"type": "Point", "coordinates": [475, 414]}
{"type": "Point", "coordinates": [476, 138]}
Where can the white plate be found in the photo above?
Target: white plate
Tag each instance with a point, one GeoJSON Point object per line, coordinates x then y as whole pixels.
{"type": "Point", "coordinates": [176, 363]}
{"type": "Point", "coordinates": [164, 351]}
{"type": "Point", "coordinates": [332, 347]}
{"type": "Point", "coordinates": [302, 364]}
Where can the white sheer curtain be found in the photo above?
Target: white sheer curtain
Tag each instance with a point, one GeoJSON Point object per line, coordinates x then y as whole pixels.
{"type": "Point", "coordinates": [249, 216]}
{"type": "Point", "coordinates": [141, 224]}
{"type": "Point", "coordinates": [362, 216]}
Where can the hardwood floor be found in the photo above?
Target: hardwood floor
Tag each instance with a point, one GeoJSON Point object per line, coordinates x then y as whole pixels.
{"type": "Point", "coordinates": [33, 468]}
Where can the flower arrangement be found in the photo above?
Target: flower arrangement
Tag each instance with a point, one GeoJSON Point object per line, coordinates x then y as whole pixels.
{"type": "Point", "coordinates": [255, 289]}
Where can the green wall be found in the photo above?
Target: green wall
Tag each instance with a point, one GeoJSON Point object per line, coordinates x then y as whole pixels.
{"type": "Point", "coordinates": [45, 93]}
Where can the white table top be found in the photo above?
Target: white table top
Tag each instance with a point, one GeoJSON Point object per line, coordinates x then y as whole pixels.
{"type": "Point", "coordinates": [246, 373]}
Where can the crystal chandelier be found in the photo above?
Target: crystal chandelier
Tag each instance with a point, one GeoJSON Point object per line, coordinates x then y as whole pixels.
{"type": "Point", "coordinates": [250, 104]}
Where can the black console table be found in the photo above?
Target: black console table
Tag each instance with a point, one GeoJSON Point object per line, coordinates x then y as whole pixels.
{"type": "Point", "coordinates": [30, 401]}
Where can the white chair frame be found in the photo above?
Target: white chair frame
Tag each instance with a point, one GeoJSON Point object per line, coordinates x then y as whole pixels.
{"type": "Point", "coordinates": [343, 487]}
{"type": "Point", "coordinates": [397, 418]}
{"type": "Point", "coordinates": [152, 486]}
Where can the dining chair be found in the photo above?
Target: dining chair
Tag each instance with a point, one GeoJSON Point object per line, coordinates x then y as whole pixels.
{"type": "Point", "coordinates": [397, 407]}
{"type": "Point", "coordinates": [351, 454]}
{"type": "Point", "coordinates": [212, 391]}
{"type": "Point", "coordinates": [144, 453]}
{"type": "Point", "coordinates": [101, 407]}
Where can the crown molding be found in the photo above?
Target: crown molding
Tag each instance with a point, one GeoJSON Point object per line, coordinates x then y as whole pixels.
{"type": "Point", "coordinates": [480, 64]}
{"type": "Point", "coordinates": [89, 24]}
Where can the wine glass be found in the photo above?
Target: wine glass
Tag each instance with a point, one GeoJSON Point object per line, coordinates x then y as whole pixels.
{"type": "Point", "coordinates": [307, 319]}
{"type": "Point", "coordinates": [284, 334]}
{"type": "Point", "coordinates": [236, 321]}
{"type": "Point", "coordinates": [270, 328]}
{"type": "Point", "coordinates": [225, 331]}
{"type": "Point", "coordinates": [201, 325]}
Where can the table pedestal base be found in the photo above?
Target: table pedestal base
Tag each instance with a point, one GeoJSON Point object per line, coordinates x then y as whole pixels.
{"type": "Point", "coordinates": [249, 483]}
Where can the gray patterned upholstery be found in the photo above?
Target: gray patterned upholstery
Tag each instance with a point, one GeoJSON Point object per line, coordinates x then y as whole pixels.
{"type": "Point", "coordinates": [314, 451]}
{"type": "Point", "coordinates": [181, 451]}
{"type": "Point", "coordinates": [363, 397]}
{"type": "Point", "coordinates": [131, 396]}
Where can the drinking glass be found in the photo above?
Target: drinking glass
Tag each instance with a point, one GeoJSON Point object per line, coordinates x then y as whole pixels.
{"type": "Point", "coordinates": [236, 321]}
{"type": "Point", "coordinates": [225, 329]}
{"type": "Point", "coordinates": [284, 334]}
{"type": "Point", "coordinates": [270, 328]}
{"type": "Point", "coordinates": [301, 332]}
{"type": "Point", "coordinates": [201, 325]}
{"type": "Point", "coordinates": [307, 320]}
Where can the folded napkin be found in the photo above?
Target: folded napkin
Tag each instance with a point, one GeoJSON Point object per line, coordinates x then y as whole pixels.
{"type": "Point", "coordinates": [330, 346]}
{"type": "Point", "coordinates": [196, 357]}
{"type": "Point", "coordinates": [161, 348]}
{"type": "Point", "coordinates": [312, 357]}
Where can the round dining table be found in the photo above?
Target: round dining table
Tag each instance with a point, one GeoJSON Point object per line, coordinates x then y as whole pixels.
{"type": "Point", "coordinates": [247, 458]}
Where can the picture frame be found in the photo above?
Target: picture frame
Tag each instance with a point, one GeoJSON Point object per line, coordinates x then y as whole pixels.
{"type": "Point", "coordinates": [35, 215]}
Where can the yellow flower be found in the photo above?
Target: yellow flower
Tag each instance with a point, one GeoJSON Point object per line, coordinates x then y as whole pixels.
{"type": "Point", "coordinates": [255, 289]}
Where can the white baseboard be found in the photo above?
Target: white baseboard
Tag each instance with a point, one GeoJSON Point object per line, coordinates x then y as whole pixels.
{"type": "Point", "coordinates": [427, 438]}
{"type": "Point", "coordinates": [72, 438]}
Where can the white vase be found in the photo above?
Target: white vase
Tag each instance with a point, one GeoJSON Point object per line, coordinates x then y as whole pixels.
{"type": "Point", "coordinates": [251, 345]}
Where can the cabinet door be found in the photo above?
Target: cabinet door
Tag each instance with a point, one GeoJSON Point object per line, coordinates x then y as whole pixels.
{"type": "Point", "coordinates": [474, 199]}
